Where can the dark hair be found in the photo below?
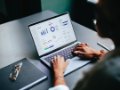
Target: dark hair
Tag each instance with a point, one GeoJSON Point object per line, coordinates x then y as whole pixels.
{"type": "Point", "coordinates": [108, 13]}
{"type": "Point", "coordinates": [111, 9]}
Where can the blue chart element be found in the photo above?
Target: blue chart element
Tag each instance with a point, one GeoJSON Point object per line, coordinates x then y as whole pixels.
{"type": "Point", "coordinates": [44, 32]}
{"type": "Point", "coordinates": [65, 23]}
{"type": "Point", "coordinates": [52, 29]}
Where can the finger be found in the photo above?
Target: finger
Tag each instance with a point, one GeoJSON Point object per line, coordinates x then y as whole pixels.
{"type": "Point", "coordinates": [81, 55]}
{"type": "Point", "coordinates": [58, 57]}
{"type": "Point", "coordinates": [73, 49]}
{"type": "Point", "coordinates": [86, 44]}
{"type": "Point", "coordinates": [62, 58]}
{"type": "Point", "coordinates": [52, 61]}
{"type": "Point", "coordinates": [76, 48]}
{"type": "Point", "coordinates": [78, 52]}
{"type": "Point", "coordinates": [80, 45]}
{"type": "Point", "coordinates": [79, 48]}
{"type": "Point", "coordinates": [54, 58]}
{"type": "Point", "coordinates": [67, 60]}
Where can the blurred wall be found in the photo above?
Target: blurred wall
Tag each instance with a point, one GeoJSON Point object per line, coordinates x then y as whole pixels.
{"type": "Point", "coordinates": [57, 6]}
{"type": "Point", "coordinates": [80, 10]}
{"type": "Point", "coordinates": [2, 7]}
{"type": "Point", "coordinates": [15, 9]}
{"type": "Point", "coordinates": [3, 13]}
{"type": "Point", "coordinates": [83, 13]}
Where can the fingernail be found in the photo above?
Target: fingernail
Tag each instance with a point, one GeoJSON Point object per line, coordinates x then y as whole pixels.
{"type": "Point", "coordinates": [75, 52]}
{"type": "Point", "coordinates": [68, 59]}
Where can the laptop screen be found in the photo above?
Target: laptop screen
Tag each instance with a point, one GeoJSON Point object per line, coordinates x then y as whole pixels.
{"type": "Point", "coordinates": [52, 33]}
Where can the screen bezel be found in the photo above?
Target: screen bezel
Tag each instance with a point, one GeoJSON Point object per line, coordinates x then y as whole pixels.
{"type": "Point", "coordinates": [58, 47]}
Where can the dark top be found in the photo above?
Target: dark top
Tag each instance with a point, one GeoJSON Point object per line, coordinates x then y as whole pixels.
{"type": "Point", "coordinates": [105, 75]}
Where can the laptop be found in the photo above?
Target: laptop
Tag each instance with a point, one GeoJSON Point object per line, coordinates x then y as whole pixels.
{"type": "Point", "coordinates": [55, 36]}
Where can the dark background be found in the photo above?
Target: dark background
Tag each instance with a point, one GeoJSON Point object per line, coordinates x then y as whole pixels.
{"type": "Point", "coordinates": [80, 10]}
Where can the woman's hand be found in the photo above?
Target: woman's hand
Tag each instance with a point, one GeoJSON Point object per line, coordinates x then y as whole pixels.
{"type": "Point", "coordinates": [59, 65]}
{"type": "Point", "coordinates": [84, 51]}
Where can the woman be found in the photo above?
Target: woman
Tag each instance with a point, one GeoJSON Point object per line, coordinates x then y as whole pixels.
{"type": "Point", "coordinates": [105, 75]}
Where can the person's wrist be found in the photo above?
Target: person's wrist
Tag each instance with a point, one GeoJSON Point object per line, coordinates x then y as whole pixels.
{"type": "Point", "coordinates": [58, 73]}
{"type": "Point", "coordinates": [99, 53]}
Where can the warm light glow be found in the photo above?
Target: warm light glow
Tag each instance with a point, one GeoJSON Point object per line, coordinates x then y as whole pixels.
{"type": "Point", "coordinates": [93, 1]}
{"type": "Point", "coordinates": [94, 21]}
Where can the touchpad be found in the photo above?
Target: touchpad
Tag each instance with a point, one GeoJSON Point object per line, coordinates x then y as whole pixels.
{"type": "Point", "coordinates": [74, 64]}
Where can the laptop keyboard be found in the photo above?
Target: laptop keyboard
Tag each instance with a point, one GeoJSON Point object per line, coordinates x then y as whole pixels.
{"type": "Point", "coordinates": [66, 53]}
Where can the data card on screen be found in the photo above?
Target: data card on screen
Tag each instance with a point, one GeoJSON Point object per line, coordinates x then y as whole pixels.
{"type": "Point", "coordinates": [53, 33]}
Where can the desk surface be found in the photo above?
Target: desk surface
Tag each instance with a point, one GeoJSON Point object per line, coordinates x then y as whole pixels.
{"type": "Point", "coordinates": [16, 43]}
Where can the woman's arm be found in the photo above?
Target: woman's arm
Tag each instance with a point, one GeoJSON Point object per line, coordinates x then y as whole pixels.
{"type": "Point", "coordinates": [59, 66]}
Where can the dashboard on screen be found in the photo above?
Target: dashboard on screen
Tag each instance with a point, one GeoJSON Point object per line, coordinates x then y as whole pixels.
{"type": "Point", "coordinates": [52, 33]}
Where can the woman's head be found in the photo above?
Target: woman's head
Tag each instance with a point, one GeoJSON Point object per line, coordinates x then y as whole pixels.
{"type": "Point", "coordinates": [108, 18]}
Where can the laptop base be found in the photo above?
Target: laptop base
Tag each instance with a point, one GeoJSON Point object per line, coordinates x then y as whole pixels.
{"type": "Point", "coordinates": [74, 64]}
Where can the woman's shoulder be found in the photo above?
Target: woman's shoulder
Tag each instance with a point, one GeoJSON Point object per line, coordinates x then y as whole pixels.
{"type": "Point", "coordinates": [109, 63]}
{"type": "Point", "coordinates": [103, 74]}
